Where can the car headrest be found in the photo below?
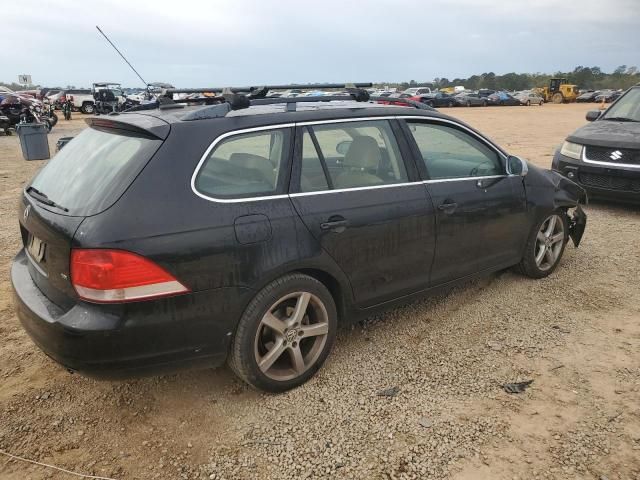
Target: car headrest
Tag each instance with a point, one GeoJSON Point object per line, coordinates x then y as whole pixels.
{"type": "Point", "coordinates": [363, 152]}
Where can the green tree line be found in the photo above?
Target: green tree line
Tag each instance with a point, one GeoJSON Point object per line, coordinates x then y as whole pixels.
{"type": "Point", "coordinates": [594, 78]}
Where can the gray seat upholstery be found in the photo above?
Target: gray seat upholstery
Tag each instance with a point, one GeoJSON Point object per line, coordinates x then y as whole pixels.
{"type": "Point", "coordinates": [261, 167]}
{"type": "Point", "coordinates": [360, 164]}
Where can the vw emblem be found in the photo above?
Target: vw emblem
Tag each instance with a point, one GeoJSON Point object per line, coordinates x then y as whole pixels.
{"type": "Point", "coordinates": [291, 335]}
{"type": "Point", "coordinates": [617, 155]}
{"type": "Point", "coordinates": [27, 210]}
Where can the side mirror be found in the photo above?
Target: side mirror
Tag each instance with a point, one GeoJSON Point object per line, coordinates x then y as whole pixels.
{"type": "Point", "coordinates": [517, 166]}
{"type": "Point", "coordinates": [343, 147]}
{"type": "Point", "coordinates": [592, 115]}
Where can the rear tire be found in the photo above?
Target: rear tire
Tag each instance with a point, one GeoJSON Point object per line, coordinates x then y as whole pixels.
{"type": "Point", "coordinates": [557, 98]}
{"type": "Point", "coordinates": [528, 103]}
{"type": "Point", "coordinates": [285, 334]}
{"type": "Point", "coordinates": [545, 245]}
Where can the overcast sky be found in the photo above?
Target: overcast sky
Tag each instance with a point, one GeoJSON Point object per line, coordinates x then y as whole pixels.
{"type": "Point", "coordinates": [194, 43]}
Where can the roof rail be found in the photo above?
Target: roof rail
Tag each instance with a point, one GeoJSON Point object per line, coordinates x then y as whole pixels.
{"type": "Point", "coordinates": [238, 98]}
{"type": "Point", "coordinates": [310, 86]}
{"type": "Point", "coordinates": [338, 98]}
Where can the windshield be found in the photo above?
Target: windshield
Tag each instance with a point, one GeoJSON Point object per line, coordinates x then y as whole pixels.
{"type": "Point", "coordinates": [93, 170]}
{"type": "Point", "coordinates": [628, 106]}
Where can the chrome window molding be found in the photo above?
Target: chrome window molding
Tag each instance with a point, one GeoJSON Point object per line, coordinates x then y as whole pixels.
{"type": "Point", "coordinates": [352, 189]}
{"type": "Point", "coordinates": [210, 149]}
{"type": "Point", "coordinates": [341, 190]}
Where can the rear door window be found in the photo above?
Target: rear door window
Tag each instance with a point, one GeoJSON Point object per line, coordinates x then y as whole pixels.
{"type": "Point", "coordinates": [93, 170]}
{"type": "Point", "coordinates": [350, 155]}
{"type": "Point", "coordinates": [245, 165]}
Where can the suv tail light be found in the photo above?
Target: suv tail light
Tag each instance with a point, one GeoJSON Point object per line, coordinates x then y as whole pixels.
{"type": "Point", "coordinates": [112, 276]}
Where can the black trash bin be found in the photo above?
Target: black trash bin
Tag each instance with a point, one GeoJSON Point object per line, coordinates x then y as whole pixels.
{"type": "Point", "coordinates": [33, 140]}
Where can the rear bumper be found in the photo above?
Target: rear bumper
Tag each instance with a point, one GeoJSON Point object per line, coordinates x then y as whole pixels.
{"type": "Point", "coordinates": [119, 341]}
{"type": "Point", "coordinates": [609, 183]}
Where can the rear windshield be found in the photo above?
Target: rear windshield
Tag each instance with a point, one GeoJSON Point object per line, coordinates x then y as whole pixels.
{"type": "Point", "coordinates": [93, 170]}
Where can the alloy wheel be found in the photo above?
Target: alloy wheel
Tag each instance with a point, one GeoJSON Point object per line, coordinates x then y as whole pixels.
{"type": "Point", "coordinates": [291, 336]}
{"type": "Point", "coordinates": [549, 242]}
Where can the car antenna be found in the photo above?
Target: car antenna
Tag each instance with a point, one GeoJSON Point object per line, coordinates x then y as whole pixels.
{"type": "Point", "coordinates": [123, 57]}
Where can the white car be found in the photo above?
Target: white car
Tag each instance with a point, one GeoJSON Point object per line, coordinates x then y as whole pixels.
{"type": "Point", "coordinates": [417, 91]}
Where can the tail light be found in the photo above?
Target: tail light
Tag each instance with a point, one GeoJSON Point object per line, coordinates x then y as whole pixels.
{"type": "Point", "coordinates": [113, 276]}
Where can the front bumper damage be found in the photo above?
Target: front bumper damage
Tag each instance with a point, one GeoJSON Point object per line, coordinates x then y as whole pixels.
{"type": "Point", "coordinates": [577, 224]}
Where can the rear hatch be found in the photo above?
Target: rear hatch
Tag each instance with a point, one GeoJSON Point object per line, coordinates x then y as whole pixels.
{"type": "Point", "coordinates": [84, 179]}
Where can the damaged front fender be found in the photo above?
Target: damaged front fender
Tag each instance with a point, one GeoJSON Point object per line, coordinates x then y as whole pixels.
{"type": "Point", "coordinates": [548, 191]}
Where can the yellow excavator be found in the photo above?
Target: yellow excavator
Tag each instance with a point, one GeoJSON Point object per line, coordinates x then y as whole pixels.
{"type": "Point", "coordinates": [559, 91]}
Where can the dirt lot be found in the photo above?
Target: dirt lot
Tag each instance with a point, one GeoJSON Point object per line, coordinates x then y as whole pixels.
{"type": "Point", "coordinates": [576, 334]}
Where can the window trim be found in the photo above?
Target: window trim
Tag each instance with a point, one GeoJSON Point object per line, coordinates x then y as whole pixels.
{"type": "Point", "coordinates": [424, 171]}
{"type": "Point", "coordinates": [294, 168]}
{"type": "Point", "coordinates": [224, 136]}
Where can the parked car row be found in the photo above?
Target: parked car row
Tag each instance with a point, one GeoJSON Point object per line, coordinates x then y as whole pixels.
{"type": "Point", "coordinates": [480, 98]}
{"type": "Point", "coordinates": [606, 96]}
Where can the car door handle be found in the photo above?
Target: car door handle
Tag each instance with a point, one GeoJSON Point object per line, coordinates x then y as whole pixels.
{"type": "Point", "coordinates": [335, 224]}
{"type": "Point", "coordinates": [448, 208]}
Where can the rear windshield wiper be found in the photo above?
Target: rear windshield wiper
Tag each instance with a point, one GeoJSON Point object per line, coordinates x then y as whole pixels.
{"type": "Point", "coordinates": [42, 198]}
{"type": "Point", "coordinates": [620, 119]}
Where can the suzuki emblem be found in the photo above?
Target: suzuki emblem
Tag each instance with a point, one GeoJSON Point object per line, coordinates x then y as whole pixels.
{"type": "Point", "coordinates": [617, 155]}
{"type": "Point", "coordinates": [25, 215]}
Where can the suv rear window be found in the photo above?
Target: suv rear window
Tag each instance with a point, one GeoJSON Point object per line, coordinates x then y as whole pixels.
{"type": "Point", "coordinates": [93, 170]}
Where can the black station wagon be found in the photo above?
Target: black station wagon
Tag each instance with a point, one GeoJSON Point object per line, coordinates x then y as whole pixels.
{"type": "Point", "coordinates": [248, 230]}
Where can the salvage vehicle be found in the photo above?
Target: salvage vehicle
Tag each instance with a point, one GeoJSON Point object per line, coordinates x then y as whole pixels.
{"type": "Point", "coordinates": [604, 156]}
{"type": "Point", "coordinates": [108, 97]}
{"type": "Point", "coordinates": [81, 98]}
{"type": "Point", "coordinates": [437, 99]}
{"type": "Point", "coordinates": [414, 91]}
{"type": "Point", "coordinates": [529, 98]}
{"type": "Point", "coordinates": [19, 109]}
{"type": "Point", "coordinates": [607, 96]}
{"type": "Point", "coordinates": [466, 99]}
{"type": "Point", "coordinates": [503, 99]}
{"type": "Point", "coordinates": [589, 96]}
{"type": "Point", "coordinates": [286, 218]}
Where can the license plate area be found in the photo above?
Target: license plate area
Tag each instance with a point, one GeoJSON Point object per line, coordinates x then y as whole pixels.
{"type": "Point", "coordinates": [36, 248]}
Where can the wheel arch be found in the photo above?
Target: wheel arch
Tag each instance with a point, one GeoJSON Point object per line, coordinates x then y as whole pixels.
{"type": "Point", "coordinates": [335, 288]}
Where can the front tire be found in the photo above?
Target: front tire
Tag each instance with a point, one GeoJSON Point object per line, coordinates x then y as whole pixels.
{"type": "Point", "coordinates": [285, 334]}
{"type": "Point", "coordinates": [545, 245]}
{"type": "Point", "coordinates": [87, 108]}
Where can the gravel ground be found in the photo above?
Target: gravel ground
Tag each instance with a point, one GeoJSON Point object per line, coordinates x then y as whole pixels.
{"type": "Point", "coordinates": [411, 394]}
